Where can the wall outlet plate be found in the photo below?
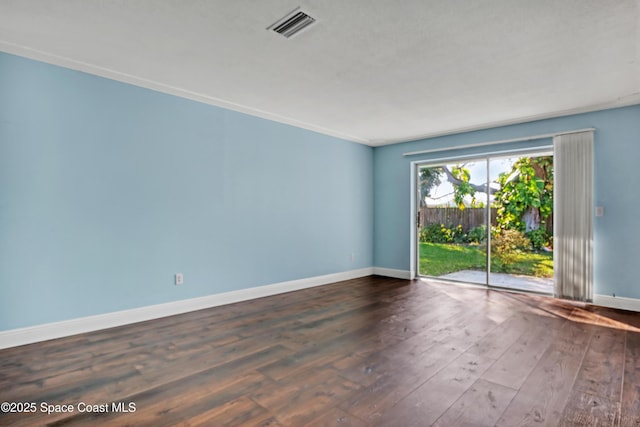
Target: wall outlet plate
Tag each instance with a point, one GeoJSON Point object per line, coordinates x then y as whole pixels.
{"type": "Point", "coordinates": [179, 279]}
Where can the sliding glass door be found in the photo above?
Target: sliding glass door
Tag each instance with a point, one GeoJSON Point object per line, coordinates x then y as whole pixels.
{"type": "Point", "coordinates": [488, 221]}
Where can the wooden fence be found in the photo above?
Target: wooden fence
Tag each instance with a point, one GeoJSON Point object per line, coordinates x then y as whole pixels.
{"type": "Point", "coordinates": [468, 217]}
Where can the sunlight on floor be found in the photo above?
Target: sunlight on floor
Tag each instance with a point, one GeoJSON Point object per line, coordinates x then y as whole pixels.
{"type": "Point", "coordinates": [543, 305]}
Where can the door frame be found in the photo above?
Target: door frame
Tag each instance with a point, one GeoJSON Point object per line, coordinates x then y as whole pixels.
{"type": "Point", "coordinates": [415, 209]}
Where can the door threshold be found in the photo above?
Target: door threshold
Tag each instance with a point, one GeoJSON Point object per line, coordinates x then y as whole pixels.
{"type": "Point", "coordinates": [482, 286]}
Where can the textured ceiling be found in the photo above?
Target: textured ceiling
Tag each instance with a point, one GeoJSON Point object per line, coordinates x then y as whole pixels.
{"type": "Point", "coordinates": [371, 71]}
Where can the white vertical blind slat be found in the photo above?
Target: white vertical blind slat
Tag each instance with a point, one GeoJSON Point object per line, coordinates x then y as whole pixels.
{"type": "Point", "coordinates": [573, 216]}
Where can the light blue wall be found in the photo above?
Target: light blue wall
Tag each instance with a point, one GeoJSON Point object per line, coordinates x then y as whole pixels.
{"type": "Point", "coordinates": [107, 190]}
{"type": "Point", "coordinates": [617, 158]}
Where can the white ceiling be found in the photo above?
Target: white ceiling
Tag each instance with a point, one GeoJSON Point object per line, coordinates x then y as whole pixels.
{"type": "Point", "coordinates": [371, 71]}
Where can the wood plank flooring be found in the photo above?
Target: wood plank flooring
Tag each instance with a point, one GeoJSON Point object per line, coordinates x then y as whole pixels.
{"type": "Point", "coordinates": [368, 352]}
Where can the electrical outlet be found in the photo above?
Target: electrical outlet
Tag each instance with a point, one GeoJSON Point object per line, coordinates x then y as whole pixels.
{"type": "Point", "coordinates": [179, 278]}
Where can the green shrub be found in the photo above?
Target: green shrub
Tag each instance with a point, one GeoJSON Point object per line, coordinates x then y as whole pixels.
{"type": "Point", "coordinates": [539, 238]}
{"type": "Point", "coordinates": [477, 234]}
{"type": "Point", "coordinates": [439, 233]}
{"type": "Point", "coordinates": [458, 235]}
{"type": "Point", "coordinates": [510, 241]}
{"type": "Point", "coordinates": [436, 233]}
{"type": "Point", "coordinates": [507, 244]}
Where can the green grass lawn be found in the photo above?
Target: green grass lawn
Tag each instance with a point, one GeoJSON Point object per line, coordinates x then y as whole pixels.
{"type": "Point", "coordinates": [437, 259]}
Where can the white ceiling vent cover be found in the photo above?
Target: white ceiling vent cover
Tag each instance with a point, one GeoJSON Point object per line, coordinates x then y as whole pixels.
{"type": "Point", "coordinates": [292, 23]}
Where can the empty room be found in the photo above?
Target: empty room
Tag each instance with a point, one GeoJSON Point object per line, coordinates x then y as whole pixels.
{"type": "Point", "coordinates": [312, 213]}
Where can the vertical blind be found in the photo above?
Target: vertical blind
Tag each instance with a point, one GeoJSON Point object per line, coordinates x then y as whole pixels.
{"type": "Point", "coordinates": [573, 216]}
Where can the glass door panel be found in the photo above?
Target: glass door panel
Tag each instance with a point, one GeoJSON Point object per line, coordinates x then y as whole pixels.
{"type": "Point", "coordinates": [452, 222]}
{"type": "Point", "coordinates": [522, 228]}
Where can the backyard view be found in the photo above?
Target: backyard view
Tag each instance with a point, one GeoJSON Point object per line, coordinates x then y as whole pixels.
{"type": "Point", "coordinates": [455, 200]}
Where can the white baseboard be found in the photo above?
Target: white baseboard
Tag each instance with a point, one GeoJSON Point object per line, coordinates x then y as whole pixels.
{"type": "Point", "coordinates": [623, 303]}
{"type": "Point", "coordinates": [48, 331]}
{"type": "Point", "coordinates": [390, 272]}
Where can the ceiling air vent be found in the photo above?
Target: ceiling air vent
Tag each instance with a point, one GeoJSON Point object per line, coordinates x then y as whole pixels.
{"type": "Point", "coordinates": [292, 23]}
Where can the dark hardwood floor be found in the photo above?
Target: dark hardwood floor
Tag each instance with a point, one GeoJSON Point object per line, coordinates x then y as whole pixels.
{"type": "Point", "coordinates": [371, 351]}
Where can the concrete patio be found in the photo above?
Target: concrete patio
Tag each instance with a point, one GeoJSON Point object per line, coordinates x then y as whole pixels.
{"type": "Point", "coordinates": [503, 280]}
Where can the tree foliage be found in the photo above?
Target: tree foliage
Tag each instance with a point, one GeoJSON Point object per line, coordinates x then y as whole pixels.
{"type": "Point", "coordinates": [524, 197]}
{"type": "Point", "coordinates": [429, 178]}
{"type": "Point", "coordinates": [463, 186]}
{"type": "Point", "coordinates": [524, 200]}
